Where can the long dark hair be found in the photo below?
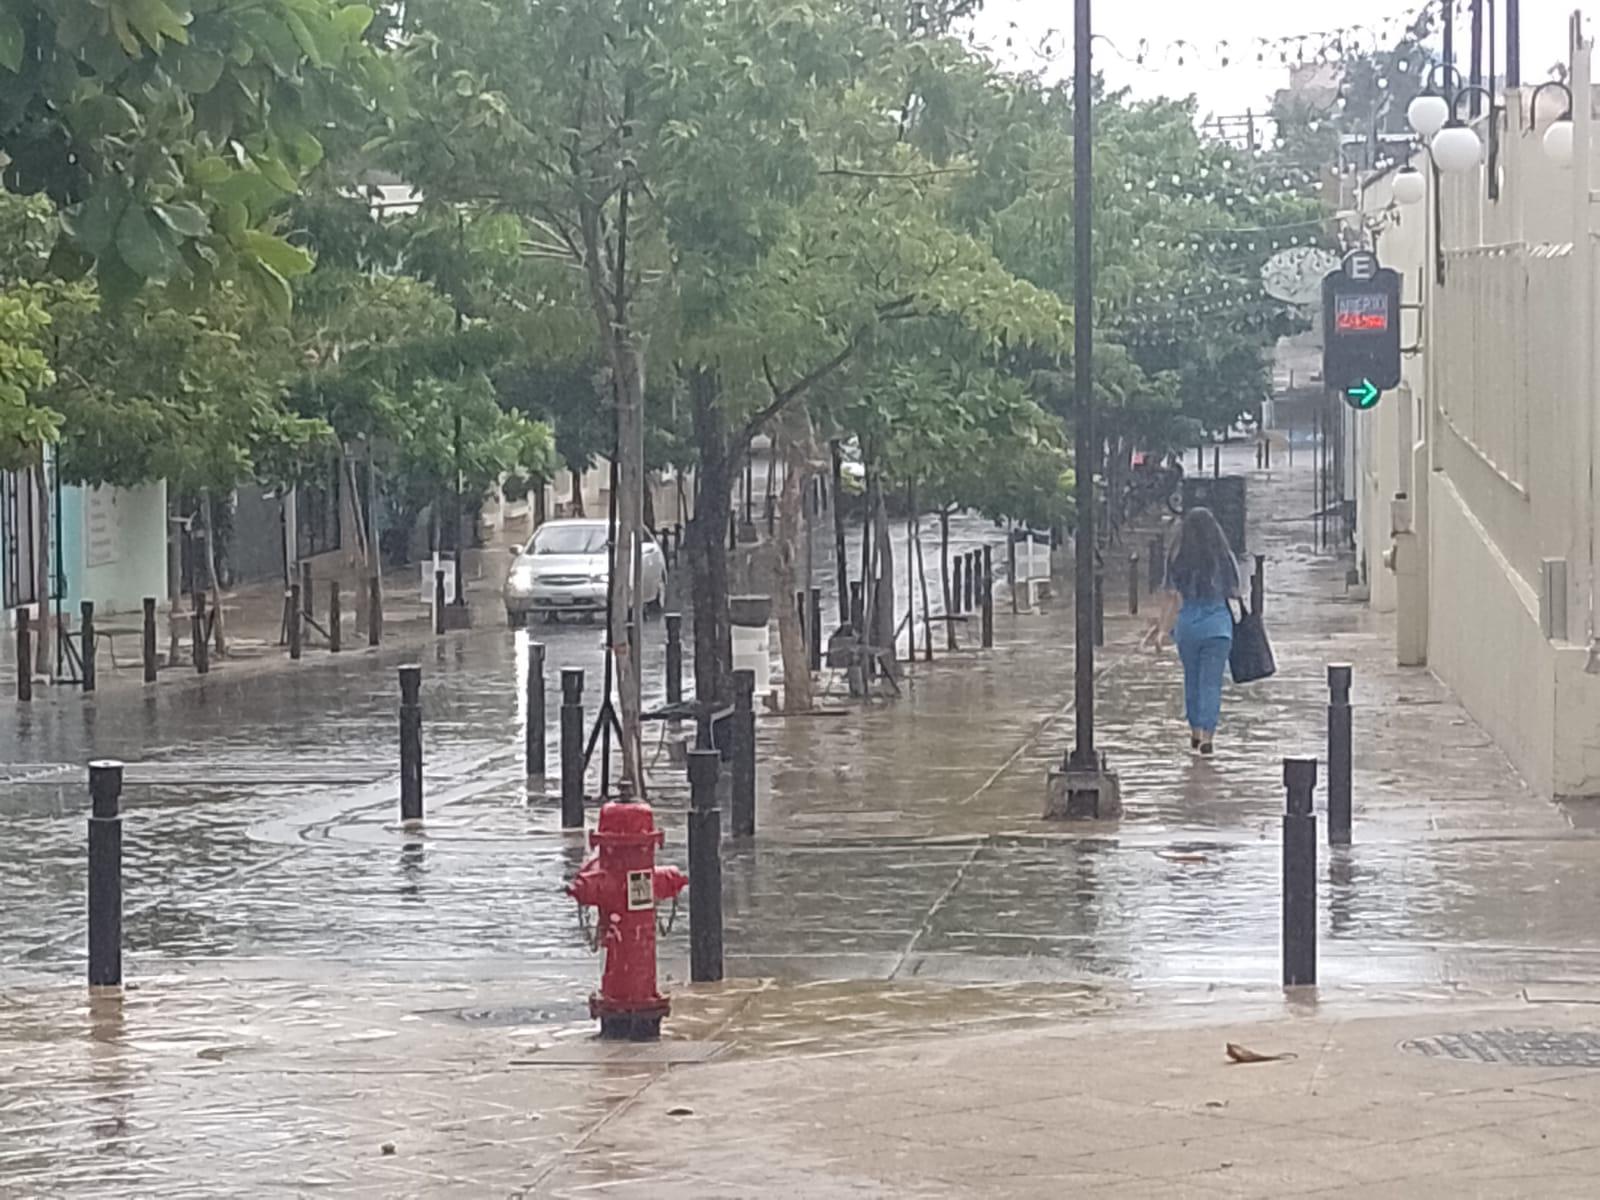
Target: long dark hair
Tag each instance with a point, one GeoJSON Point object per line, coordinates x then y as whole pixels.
{"type": "Point", "coordinates": [1201, 565]}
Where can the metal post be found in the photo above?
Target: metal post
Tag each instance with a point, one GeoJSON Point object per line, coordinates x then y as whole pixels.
{"type": "Point", "coordinates": [199, 634]}
{"type": "Point", "coordinates": [571, 748]}
{"type": "Point", "coordinates": [1011, 570]}
{"type": "Point", "coordinates": [294, 620]}
{"type": "Point", "coordinates": [1258, 586]}
{"type": "Point", "coordinates": [987, 598]}
{"type": "Point", "coordinates": [306, 597]}
{"type": "Point", "coordinates": [1216, 462]}
{"type": "Point", "coordinates": [1299, 874]}
{"type": "Point", "coordinates": [1513, 43]}
{"type": "Point", "coordinates": [955, 582]}
{"type": "Point", "coordinates": [1339, 755]}
{"type": "Point", "coordinates": [971, 582]}
{"type": "Point", "coordinates": [1266, 453]}
{"type": "Point", "coordinates": [105, 874]}
{"type": "Point", "coordinates": [86, 637]}
{"type": "Point", "coordinates": [335, 618]}
{"type": "Point", "coordinates": [1099, 608]}
{"type": "Point", "coordinates": [744, 753]}
{"type": "Point", "coordinates": [374, 610]}
{"type": "Point", "coordinates": [534, 739]}
{"type": "Point", "coordinates": [24, 655]}
{"type": "Point", "coordinates": [148, 645]}
{"type": "Point", "coordinates": [1157, 565]}
{"type": "Point", "coordinates": [438, 601]}
{"type": "Point", "coordinates": [816, 629]}
{"type": "Point", "coordinates": [674, 658]}
{"type": "Point", "coordinates": [1084, 756]}
{"type": "Point", "coordinates": [858, 616]}
{"type": "Point", "coordinates": [1133, 584]}
{"type": "Point", "coordinates": [411, 743]}
{"type": "Point", "coordinates": [705, 868]}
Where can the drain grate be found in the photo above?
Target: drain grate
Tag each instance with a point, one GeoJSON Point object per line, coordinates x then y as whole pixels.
{"type": "Point", "coordinates": [1514, 1047]}
{"type": "Point", "coordinates": [513, 1015]}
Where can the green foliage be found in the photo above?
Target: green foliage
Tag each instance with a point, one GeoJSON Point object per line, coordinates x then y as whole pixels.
{"type": "Point", "coordinates": [169, 132]}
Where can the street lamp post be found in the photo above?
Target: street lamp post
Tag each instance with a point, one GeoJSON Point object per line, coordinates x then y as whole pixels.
{"type": "Point", "coordinates": [1083, 789]}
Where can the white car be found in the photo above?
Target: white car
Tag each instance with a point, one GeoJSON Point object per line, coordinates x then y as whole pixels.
{"type": "Point", "coordinates": [565, 568]}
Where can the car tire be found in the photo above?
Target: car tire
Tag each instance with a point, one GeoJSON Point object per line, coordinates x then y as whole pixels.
{"type": "Point", "coordinates": [516, 620]}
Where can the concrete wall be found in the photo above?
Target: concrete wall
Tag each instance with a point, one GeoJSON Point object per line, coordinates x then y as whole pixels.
{"type": "Point", "coordinates": [114, 545]}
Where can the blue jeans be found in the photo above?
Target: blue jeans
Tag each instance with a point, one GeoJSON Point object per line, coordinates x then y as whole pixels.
{"type": "Point", "coordinates": [1204, 660]}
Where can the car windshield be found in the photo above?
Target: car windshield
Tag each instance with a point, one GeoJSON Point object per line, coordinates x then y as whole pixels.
{"type": "Point", "coordinates": [569, 539]}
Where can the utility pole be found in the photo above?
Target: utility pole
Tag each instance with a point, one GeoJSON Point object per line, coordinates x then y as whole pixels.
{"type": "Point", "coordinates": [1083, 789]}
{"type": "Point", "coordinates": [1513, 43]}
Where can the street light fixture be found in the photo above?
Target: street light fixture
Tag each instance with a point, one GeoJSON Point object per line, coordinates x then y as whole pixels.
{"type": "Point", "coordinates": [1432, 108]}
{"type": "Point", "coordinates": [1558, 137]}
{"type": "Point", "coordinates": [1409, 186]}
{"type": "Point", "coordinates": [1456, 148]}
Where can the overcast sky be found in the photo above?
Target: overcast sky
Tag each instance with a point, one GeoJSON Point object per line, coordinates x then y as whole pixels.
{"type": "Point", "coordinates": [1243, 85]}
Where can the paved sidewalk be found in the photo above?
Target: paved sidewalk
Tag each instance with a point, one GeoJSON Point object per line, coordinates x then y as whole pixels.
{"type": "Point", "coordinates": [1113, 1109]}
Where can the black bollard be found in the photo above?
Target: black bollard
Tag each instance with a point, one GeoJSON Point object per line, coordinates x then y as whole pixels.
{"type": "Point", "coordinates": [955, 583]}
{"type": "Point", "coordinates": [1099, 608]}
{"type": "Point", "coordinates": [814, 643]}
{"type": "Point", "coordinates": [1216, 462]}
{"type": "Point", "coordinates": [571, 748]}
{"type": "Point", "coordinates": [1133, 585]}
{"type": "Point", "coordinates": [744, 753]}
{"type": "Point", "coordinates": [411, 743]}
{"type": "Point", "coordinates": [149, 641]}
{"type": "Point", "coordinates": [199, 635]}
{"type": "Point", "coordinates": [674, 658]}
{"type": "Point", "coordinates": [858, 616]}
{"type": "Point", "coordinates": [1199, 460]}
{"type": "Point", "coordinates": [705, 868]}
{"type": "Point", "coordinates": [805, 625]}
{"type": "Point", "coordinates": [1299, 874]}
{"type": "Point", "coordinates": [970, 597]}
{"type": "Point", "coordinates": [306, 596]}
{"type": "Point", "coordinates": [105, 874]}
{"type": "Point", "coordinates": [24, 656]}
{"type": "Point", "coordinates": [438, 601]}
{"type": "Point", "coordinates": [988, 598]}
{"type": "Point", "coordinates": [1339, 760]}
{"type": "Point", "coordinates": [1258, 455]}
{"type": "Point", "coordinates": [535, 737]}
{"type": "Point", "coordinates": [1266, 454]}
{"type": "Point", "coordinates": [335, 618]}
{"type": "Point", "coordinates": [1258, 585]}
{"type": "Point", "coordinates": [1011, 574]}
{"type": "Point", "coordinates": [1157, 577]}
{"type": "Point", "coordinates": [374, 611]}
{"type": "Point", "coordinates": [293, 618]}
{"type": "Point", "coordinates": [86, 640]}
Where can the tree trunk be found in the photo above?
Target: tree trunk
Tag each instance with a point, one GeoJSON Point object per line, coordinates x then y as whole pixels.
{"type": "Point", "coordinates": [577, 493]}
{"type": "Point", "coordinates": [207, 515]}
{"type": "Point", "coordinates": [43, 542]}
{"type": "Point", "coordinates": [793, 440]}
{"type": "Point", "coordinates": [706, 538]}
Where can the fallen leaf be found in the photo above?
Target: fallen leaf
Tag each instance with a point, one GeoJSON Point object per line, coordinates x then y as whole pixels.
{"type": "Point", "coordinates": [680, 1112]}
{"type": "Point", "coordinates": [1243, 1054]}
{"type": "Point", "coordinates": [1174, 856]}
{"type": "Point", "coordinates": [387, 1147]}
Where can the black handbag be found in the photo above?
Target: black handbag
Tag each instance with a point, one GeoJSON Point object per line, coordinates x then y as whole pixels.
{"type": "Point", "coordinates": [1251, 658]}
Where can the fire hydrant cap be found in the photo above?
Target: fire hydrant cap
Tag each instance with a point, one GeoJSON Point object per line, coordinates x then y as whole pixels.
{"type": "Point", "coordinates": [625, 823]}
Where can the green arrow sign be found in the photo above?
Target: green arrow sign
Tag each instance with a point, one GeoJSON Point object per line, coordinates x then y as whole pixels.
{"type": "Point", "coordinates": [1363, 395]}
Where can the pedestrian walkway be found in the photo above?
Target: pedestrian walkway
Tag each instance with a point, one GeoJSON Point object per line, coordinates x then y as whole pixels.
{"type": "Point", "coordinates": [311, 982]}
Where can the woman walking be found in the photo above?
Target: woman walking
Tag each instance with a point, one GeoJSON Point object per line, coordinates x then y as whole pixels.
{"type": "Point", "coordinates": [1202, 577]}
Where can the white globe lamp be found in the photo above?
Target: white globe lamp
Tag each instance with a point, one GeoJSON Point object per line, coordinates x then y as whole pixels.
{"type": "Point", "coordinates": [1558, 142]}
{"type": "Point", "coordinates": [1409, 186]}
{"type": "Point", "coordinates": [1428, 113]}
{"type": "Point", "coordinates": [1456, 149]}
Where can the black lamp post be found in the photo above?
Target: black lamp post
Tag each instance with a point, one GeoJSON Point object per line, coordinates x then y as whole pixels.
{"type": "Point", "coordinates": [1084, 789]}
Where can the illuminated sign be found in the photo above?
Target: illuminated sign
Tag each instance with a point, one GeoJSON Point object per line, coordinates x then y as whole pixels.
{"type": "Point", "coordinates": [1363, 312]}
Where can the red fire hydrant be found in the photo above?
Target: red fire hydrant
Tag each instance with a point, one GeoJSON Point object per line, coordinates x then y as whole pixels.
{"type": "Point", "coordinates": [620, 880]}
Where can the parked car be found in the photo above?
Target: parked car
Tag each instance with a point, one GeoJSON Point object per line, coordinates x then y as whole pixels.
{"type": "Point", "coordinates": [565, 568]}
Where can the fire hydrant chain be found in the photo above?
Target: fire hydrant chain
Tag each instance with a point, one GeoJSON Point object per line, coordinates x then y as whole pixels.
{"type": "Point", "coordinates": [672, 916]}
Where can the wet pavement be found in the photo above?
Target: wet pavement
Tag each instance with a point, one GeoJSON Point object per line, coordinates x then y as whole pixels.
{"type": "Point", "coordinates": [365, 982]}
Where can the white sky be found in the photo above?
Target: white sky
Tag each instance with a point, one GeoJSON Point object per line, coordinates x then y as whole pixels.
{"type": "Point", "coordinates": [1243, 85]}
